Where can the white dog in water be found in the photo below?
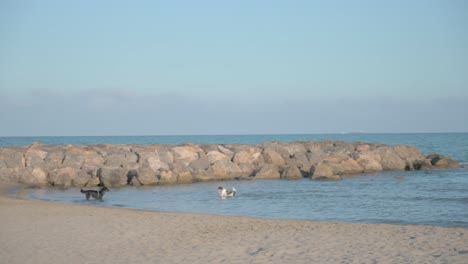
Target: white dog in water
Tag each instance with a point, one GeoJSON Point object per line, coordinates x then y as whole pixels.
{"type": "Point", "coordinates": [223, 193]}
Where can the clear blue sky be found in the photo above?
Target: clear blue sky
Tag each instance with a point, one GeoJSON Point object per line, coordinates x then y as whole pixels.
{"type": "Point", "coordinates": [232, 67]}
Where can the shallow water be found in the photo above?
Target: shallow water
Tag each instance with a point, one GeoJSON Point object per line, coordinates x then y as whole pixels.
{"type": "Point", "coordinates": [437, 198]}
{"type": "Point", "coordinates": [417, 198]}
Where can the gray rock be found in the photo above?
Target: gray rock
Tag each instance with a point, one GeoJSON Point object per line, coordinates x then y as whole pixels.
{"type": "Point", "coordinates": [389, 159]}
{"type": "Point", "coordinates": [182, 172]}
{"type": "Point", "coordinates": [145, 174]}
{"type": "Point", "coordinates": [185, 154]}
{"type": "Point", "coordinates": [199, 165]}
{"type": "Point", "coordinates": [226, 151]}
{"type": "Point", "coordinates": [272, 157]}
{"type": "Point", "coordinates": [214, 156]}
{"type": "Point", "coordinates": [119, 158]}
{"type": "Point", "coordinates": [337, 165]}
{"type": "Point", "coordinates": [113, 176]}
{"type": "Point", "coordinates": [64, 177]}
{"type": "Point", "coordinates": [12, 158]}
{"type": "Point", "coordinates": [164, 155]}
{"type": "Point", "coordinates": [33, 176]}
{"type": "Point", "coordinates": [291, 172]}
{"type": "Point", "coordinates": [442, 162]}
{"type": "Point", "coordinates": [268, 171]}
{"type": "Point", "coordinates": [8, 175]}
{"type": "Point", "coordinates": [225, 169]}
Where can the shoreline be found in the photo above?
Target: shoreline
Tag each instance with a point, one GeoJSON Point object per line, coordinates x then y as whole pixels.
{"type": "Point", "coordinates": [42, 232]}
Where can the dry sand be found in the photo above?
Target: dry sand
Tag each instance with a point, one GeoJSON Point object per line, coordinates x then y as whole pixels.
{"type": "Point", "coordinates": [41, 232]}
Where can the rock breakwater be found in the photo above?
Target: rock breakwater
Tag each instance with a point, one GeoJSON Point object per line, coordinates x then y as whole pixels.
{"type": "Point", "coordinates": [120, 165]}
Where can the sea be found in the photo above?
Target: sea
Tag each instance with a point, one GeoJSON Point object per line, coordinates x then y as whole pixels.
{"type": "Point", "coordinates": [436, 198]}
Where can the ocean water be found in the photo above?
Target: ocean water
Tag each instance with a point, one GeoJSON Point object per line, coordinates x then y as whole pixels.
{"type": "Point", "coordinates": [438, 198]}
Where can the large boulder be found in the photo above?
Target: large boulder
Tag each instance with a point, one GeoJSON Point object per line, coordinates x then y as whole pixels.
{"type": "Point", "coordinates": [113, 176]}
{"type": "Point", "coordinates": [200, 165]}
{"type": "Point", "coordinates": [268, 171]}
{"type": "Point", "coordinates": [185, 154]}
{"type": "Point", "coordinates": [66, 177]}
{"type": "Point", "coordinates": [249, 157]}
{"type": "Point", "coordinates": [33, 176]}
{"type": "Point", "coordinates": [12, 158]}
{"type": "Point", "coordinates": [278, 148]}
{"type": "Point", "coordinates": [442, 162]}
{"type": "Point", "coordinates": [164, 154]}
{"type": "Point", "coordinates": [119, 158]}
{"type": "Point", "coordinates": [291, 171]}
{"type": "Point", "coordinates": [182, 172]}
{"type": "Point", "coordinates": [224, 169]}
{"type": "Point", "coordinates": [34, 157]}
{"type": "Point", "coordinates": [273, 157]}
{"type": "Point", "coordinates": [214, 156]}
{"type": "Point", "coordinates": [8, 175]}
{"type": "Point", "coordinates": [333, 166]}
{"type": "Point", "coordinates": [302, 162]}
{"type": "Point", "coordinates": [54, 159]}
{"type": "Point", "coordinates": [389, 159]}
{"type": "Point", "coordinates": [226, 151]}
{"type": "Point", "coordinates": [367, 162]}
{"type": "Point", "coordinates": [144, 175]}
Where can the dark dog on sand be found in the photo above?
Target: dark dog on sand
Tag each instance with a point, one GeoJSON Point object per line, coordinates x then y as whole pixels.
{"type": "Point", "coordinates": [95, 194]}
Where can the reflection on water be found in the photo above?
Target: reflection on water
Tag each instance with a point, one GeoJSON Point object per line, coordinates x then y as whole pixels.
{"type": "Point", "coordinates": [421, 198]}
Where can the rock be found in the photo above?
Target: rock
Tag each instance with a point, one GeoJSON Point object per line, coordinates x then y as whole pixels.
{"type": "Point", "coordinates": [113, 176]}
{"type": "Point", "coordinates": [33, 176]}
{"type": "Point", "coordinates": [157, 164]}
{"type": "Point", "coordinates": [117, 165]}
{"type": "Point", "coordinates": [247, 157]}
{"type": "Point", "coordinates": [362, 148]}
{"type": "Point", "coordinates": [8, 175]}
{"type": "Point", "coordinates": [145, 174]}
{"type": "Point", "coordinates": [442, 162]}
{"type": "Point", "coordinates": [224, 169]}
{"type": "Point", "coordinates": [368, 163]}
{"type": "Point", "coordinates": [54, 159]}
{"type": "Point", "coordinates": [315, 156]}
{"type": "Point", "coordinates": [93, 160]}
{"type": "Point", "coordinates": [389, 160]}
{"type": "Point", "coordinates": [167, 177]}
{"type": "Point", "coordinates": [182, 172]}
{"type": "Point", "coordinates": [272, 157]}
{"type": "Point", "coordinates": [302, 162]}
{"type": "Point", "coordinates": [291, 172]}
{"type": "Point", "coordinates": [248, 170]}
{"type": "Point", "coordinates": [200, 165]}
{"type": "Point", "coordinates": [268, 171]}
{"type": "Point", "coordinates": [185, 154]}
{"type": "Point", "coordinates": [33, 157]}
{"type": "Point", "coordinates": [278, 148]}
{"type": "Point", "coordinates": [164, 155]}
{"type": "Point", "coordinates": [12, 158]}
{"type": "Point", "coordinates": [214, 156]}
{"type": "Point", "coordinates": [336, 165]}
{"type": "Point", "coordinates": [295, 148]}
{"type": "Point", "coordinates": [119, 158]}
{"type": "Point", "coordinates": [64, 177]}
{"type": "Point", "coordinates": [73, 161]}
{"type": "Point", "coordinates": [229, 153]}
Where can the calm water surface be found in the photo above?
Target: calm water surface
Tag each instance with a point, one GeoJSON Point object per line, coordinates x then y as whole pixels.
{"type": "Point", "coordinates": [437, 198]}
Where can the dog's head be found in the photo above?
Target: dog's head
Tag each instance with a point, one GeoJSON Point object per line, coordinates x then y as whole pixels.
{"type": "Point", "coordinates": [104, 189]}
{"type": "Point", "coordinates": [220, 188]}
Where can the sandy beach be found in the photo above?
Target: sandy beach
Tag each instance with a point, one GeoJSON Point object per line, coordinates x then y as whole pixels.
{"type": "Point", "coordinates": [41, 232]}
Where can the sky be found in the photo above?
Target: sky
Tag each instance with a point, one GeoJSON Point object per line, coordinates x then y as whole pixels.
{"type": "Point", "coordinates": [84, 68]}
